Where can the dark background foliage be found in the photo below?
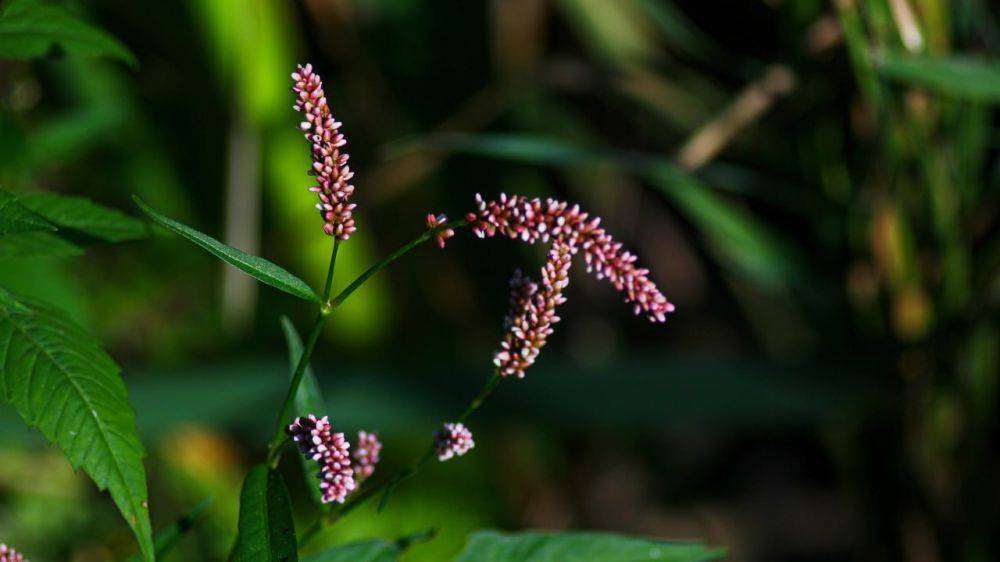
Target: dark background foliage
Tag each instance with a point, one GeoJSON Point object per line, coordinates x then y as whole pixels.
{"type": "Point", "coordinates": [814, 185]}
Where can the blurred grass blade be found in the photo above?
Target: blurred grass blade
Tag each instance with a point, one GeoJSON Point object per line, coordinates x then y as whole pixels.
{"type": "Point", "coordinates": [36, 245]}
{"type": "Point", "coordinates": [365, 551]}
{"type": "Point", "coordinates": [266, 529]}
{"type": "Point", "coordinates": [308, 400]}
{"type": "Point", "coordinates": [739, 240]}
{"type": "Point", "coordinates": [579, 547]}
{"type": "Point", "coordinates": [85, 216]}
{"type": "Point", "coordinates": [58, 379]}
{"type": "Point", "coordinates": [962, 77]}
{"type": "Point", "coordinates": [257, 267]}
{"type": "Point", "coordinates": [680, 32]}
{"type": "Point", "coordinates": [166, 539]}
{"type": "Point", "coordinates": [31, 29]}
{"type": "Point", "coordinates": [15, 217]}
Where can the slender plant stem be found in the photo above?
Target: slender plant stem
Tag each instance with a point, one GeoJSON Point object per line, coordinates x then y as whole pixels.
{"type": "Point", "coordinates": [279, 439]}
{"type": "Point", "coordinates": [381, 264]}
{"type": "Point", "coordinates": [388, 485]}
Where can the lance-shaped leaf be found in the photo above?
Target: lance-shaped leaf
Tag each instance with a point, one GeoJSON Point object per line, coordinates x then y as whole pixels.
{"type": "Point", "coordinates": [961, 77]}
{"type": "Point", "coordinates": [84, 216]}
{"type": "Point", "coordinates": [266, 530]}
{"type": "Point", "coordinates": [257, 267]}
{"type": "Point", "coordinates": [308, 400]}
{"type": "Point", "coordinates": [15, 217]}
{"type": "Point", "coordinates": [30, 29]}
{"type": "Point", "coordinates": [579, 547]}
{"type": "Point", "coordinates": [36, 245]}
{"type": "Point", "coordinates": [58, 379]}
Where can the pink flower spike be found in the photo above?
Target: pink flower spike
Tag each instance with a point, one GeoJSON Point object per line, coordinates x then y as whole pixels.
{"type": "Point", "coordinates": [8, 554]}
{"type": "Point", "coordinates": [532, 313]}
{"type": "Point", "coordinates": [452, 440]}
{"type": "Point", "coordinates": [330, 450]}
{"type": "Point", "coordinates": [366, 455]}
{"type": "Point", "coordinates": [532, 220]}
{"type": "Point", "coordinates": [436, 221]}
{"type": "Point", "coordinates": [329, 165]}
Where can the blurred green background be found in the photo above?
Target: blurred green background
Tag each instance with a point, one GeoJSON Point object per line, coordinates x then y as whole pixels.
{"type": "Point", "coordinates": [814, 184]}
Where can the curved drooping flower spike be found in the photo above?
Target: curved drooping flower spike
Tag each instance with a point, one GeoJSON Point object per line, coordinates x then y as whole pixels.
{"type": "Point", "coordinates": [8, 554]}
{"type": "Point", "coordinates": [436, 221]}
{"type": "Point", "coordinates": [366, 455]}
{"type": "Point", "coordinates": [532, 220]}
{"type": "Point", "coordinates": [318, 441]}
{"type": "Point", "coordinates": [452, 440]}
{"type": "Point", "coordinates": [329, 164]}
{"type": "Point", "coordinates": [533, 312]}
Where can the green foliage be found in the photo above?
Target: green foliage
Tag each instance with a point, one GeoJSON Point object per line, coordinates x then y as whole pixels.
{"type": "Point", "coordinates": [83, 215]}
{"type": "Point", "coordinates": [258, 268]}
{"type": "Point", "coordinates": [266, 529]}
{"type": "Point", "coordinates": [36, 245]}
{"type": "Point", "coordinates": [59, 379]}
{"type": "Point", "coordinates": [31, 29]}
{"type": "Point", "coordinates": [579, 547]}
{"type": "Point", "coordinates": [167, 539]}
{"type": "Point", "coordinates": [15, 217]}
{"type": "Point", "coordinates": [365, 551]}
{"type": "Point", "coordinates": [958, 76]}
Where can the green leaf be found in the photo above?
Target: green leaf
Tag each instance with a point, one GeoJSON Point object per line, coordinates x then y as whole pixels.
{"type": "Point", "coordinates": [15, 217]}
{"type": "Point", "coordinates": [31, 29]}
{"type": "Point", "coordinates": [258, 268]}
{"type": "Point", "coordinates": [365, 551]}
{"type": "Point", "coordinates": [308, 400]}
{"type": "Point", "coordinates": [58, 379]}
{"type": "Point", "coordinates": [85, 216]}
{"type": "Point", "coordinates": [167, 539]}
{"type": "Point", "coordinates": [579, 547]}
{"type": "Point", "coordinates": [963, 77]}
{"type": "Point", "coordinates": [36, 245]}
{"type": "Point", "coordinates": [266, 529]}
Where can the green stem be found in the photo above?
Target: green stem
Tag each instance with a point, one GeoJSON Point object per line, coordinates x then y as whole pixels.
{"type": "Point", "coordinates": [388, 485]}
{"type": "Point", "coordinates": [287, 406]}
{"type": "Point", "coordinates": [381, 264]}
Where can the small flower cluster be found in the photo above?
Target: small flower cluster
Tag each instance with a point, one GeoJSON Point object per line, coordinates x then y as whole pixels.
{"type": "Point", "coordinates": [533, 312]}
{"type": "Point", "coordinates": [442, 235]}
{"type": "Point", "coordinates": [329, 164]}
{"type": "Point", "coordinates": [532, 220]}
{"type": "Point", "coordinates": [366, 455]}
{"type": "Point", "coordinates": [8, 554]}
{"type": "Point", "coordinates": [452, 440]}
{"type": "Point", "coordinates": [330, 450]}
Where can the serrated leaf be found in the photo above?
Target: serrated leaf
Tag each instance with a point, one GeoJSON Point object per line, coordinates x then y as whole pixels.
{"type": "Point", "coordinates": [964, 77]}
{"type": "Point", "coordinates": [266, 529]}
{"type": "Point", "coordinates": [58, 379]}
{"type": "Point", "coordinates": [308, 400]}
{"type": "Point", "coordinates": [579, 547]}
{"type": "Point", "coordinates": [257, 267]}
{"type": "Point", "coordinates": [365, 551]}
{"type": "Point", "coordinates": [36, 245]}
{"type": "Point", "coordinates": [15, 217]}
{"type": "Point", "coordinates": [85, 216]}
{"type": "Point", "coordinates": [31, 29]}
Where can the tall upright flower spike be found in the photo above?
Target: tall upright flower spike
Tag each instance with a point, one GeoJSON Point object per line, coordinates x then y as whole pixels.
{"type": "Point", "coordinates": [532, 220]}
{"type": "Point", "coordinates": [452, 440]}
{"type": "Point", "coordinates": [366, 455]}
{"type": "Point", "coordinates": [317, 441]}
{"type": "Point", "coordinates": [329, 164]}
{"type": "Point", "coordinates": [533, 312]}
{"type": "Point", "coordinates": [8, 554]}
{"type": "Point", "coordinates": [436, 221]}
